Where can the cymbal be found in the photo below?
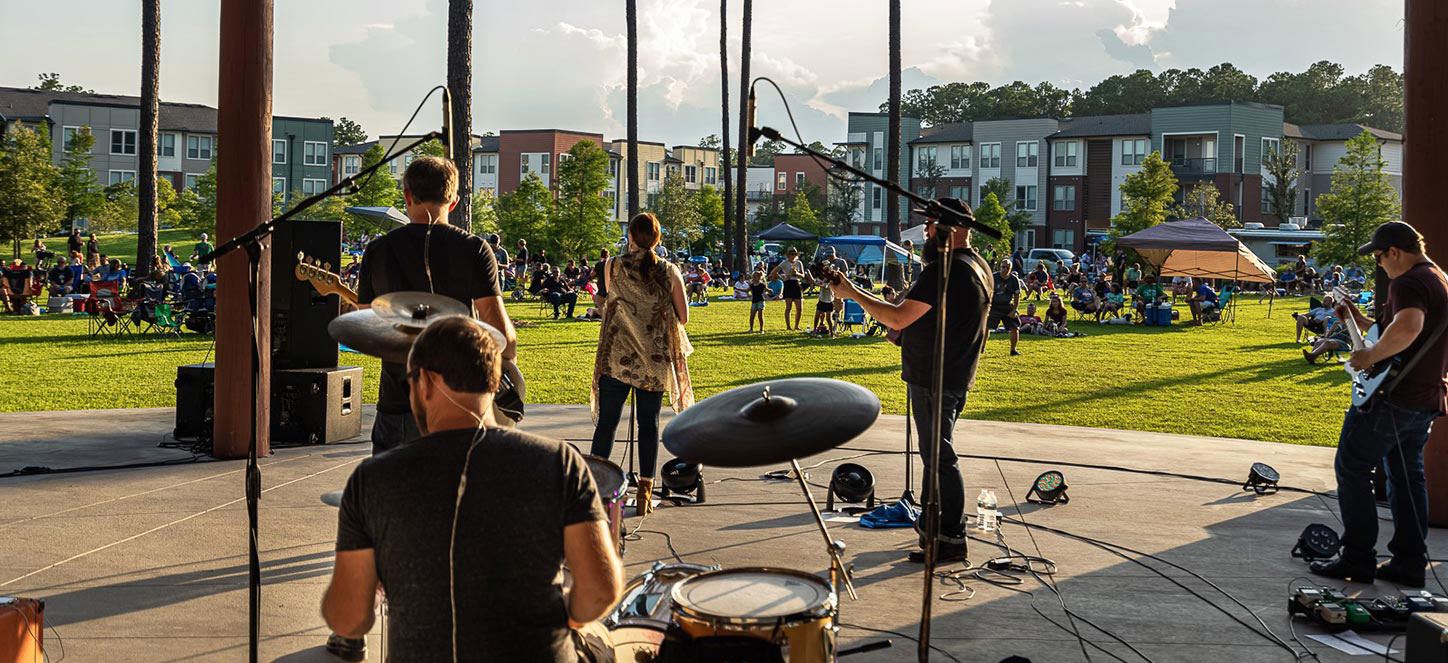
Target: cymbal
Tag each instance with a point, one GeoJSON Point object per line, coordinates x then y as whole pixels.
{"type": "Point", "coordinates": [333, 498]}
{"type": "Point", "coordinates": [370, 334]}
{"type": "Point", "coordinates": [416, 309]}
{"type": "Point", "coordinates": [771, 422]}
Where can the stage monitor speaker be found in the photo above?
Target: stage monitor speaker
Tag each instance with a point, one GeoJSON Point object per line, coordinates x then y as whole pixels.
{"type": "Point", "coordinates": [299, 315]}
{"type": "Point", "coordinates": [1427, 638]}
{"type": "Point", "coordinates": [194, 401]}
{"type": "Point", "coordinates": [316, 405]}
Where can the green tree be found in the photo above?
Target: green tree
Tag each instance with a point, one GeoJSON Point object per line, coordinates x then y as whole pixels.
{"type": "Point", "coordinates": [378, 190]}
{"type": "Point", "coordinates": [432, 148]}
{"type": "Point", "coordinates": [581, 218]}
{"type": "Point", "coordinates": [710, 142]}
{"type": "Point", "coordinates": [78, 184]}
{"type": "Point", "coordinates": [764, 153]}
{"type": "Point", "coordinates": [198, 204]}
{"type": "Point", "coordinates": [678, 214]}
{"type": "Point", "coordinates": [347, 132]}
{"type": "Point", "coordinates": [1205, 200]}
{"type": "Point", "coordinates": [1018, 219]}
{"type": "Point", "coordinates": [485, 217]}
{"type": "Point", "coordinates": [121, 209]}
{"type": "Point", "coordinates": [842, 207]}
{"type": "Point", "coordinates": [993, 214]}
{"type": "Point", "coordinates": [929, 174]}
{"type": "Point", "coordinates": [523, 213]}
{"type": "Point", "coordinates": [31, 200]}
{"type": "Point", "coordinates": [1146, 197]}
{"type": "Point", "coordinates": [770, 213]}
{"type": "Point", "coordinates": [1281, 179]}
{"type": "Point", "coordinates": [801, 215]}
{"type": "Point", "coordinates": [710, 204]}
{"type": "Point", "coordinates": [51, 82]}
{"type": "Point", "coordinates": [1360, 199]}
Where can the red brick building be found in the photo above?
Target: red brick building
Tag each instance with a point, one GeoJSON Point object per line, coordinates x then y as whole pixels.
{"type": "Point", "coordinates": [522, 151]}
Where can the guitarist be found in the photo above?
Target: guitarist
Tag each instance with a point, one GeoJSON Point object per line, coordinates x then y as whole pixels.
{"type": "Point", "coordinates": [1392, 430]}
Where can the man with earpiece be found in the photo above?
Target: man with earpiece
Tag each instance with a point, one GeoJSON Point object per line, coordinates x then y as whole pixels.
{"type": "Point", "coordinates": [471, 574]}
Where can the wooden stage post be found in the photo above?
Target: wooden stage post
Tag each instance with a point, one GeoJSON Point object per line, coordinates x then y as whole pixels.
{"type": "Point", "coordinates": [243, 174]}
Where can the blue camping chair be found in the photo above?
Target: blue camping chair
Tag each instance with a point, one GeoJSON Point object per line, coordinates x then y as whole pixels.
{"type": "Point", "coordinates": [854, 315]}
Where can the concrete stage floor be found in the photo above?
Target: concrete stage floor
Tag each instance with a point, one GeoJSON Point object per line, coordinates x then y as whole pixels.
{"type": "Point", "coordinates": [150, 564]}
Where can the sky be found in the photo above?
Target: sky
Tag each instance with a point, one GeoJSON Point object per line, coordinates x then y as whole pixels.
{"type": "Point", "coordinates": [561, 63]}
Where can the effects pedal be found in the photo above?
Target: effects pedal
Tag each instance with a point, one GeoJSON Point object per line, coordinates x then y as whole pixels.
{"type": "Point", "coordinates": [1334, 610]}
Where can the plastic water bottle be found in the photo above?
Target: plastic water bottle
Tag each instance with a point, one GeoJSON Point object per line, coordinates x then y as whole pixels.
{"type": "Point", "coordinates": [985, 518]}
{"type": "Point", "coordinates": [993, 516]}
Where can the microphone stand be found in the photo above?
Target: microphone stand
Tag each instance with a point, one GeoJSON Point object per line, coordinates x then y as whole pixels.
{"type": "Point", "coordinates": [947, 217]}
{"type": "Point", "coordinates": [252, 242]}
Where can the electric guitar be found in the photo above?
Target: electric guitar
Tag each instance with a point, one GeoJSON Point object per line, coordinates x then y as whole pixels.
{"type": "Point", "coordinates": [507, 403]}
{"type": "Point", "coordinates": [1365, 383]}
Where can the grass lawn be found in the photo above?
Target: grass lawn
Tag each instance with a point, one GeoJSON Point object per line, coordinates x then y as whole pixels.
{"type": "Point", "coordinates": [123, 245]}
{"type": "Point", "coordinates": [1244, 381]}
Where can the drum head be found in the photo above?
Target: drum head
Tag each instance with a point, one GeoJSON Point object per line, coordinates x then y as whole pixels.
{"type": "Point", "coordinates": [636, 644]}
{"type": "Point", "coordinates": [607, 476]}
{"type": "Point", "coordinates": [757, 595]}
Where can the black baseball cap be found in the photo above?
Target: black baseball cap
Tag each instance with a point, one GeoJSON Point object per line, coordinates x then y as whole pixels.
{"type": "Point", "coordinates": [1393, 234]}
{"type": "Point", "coordinates": [952, 204]}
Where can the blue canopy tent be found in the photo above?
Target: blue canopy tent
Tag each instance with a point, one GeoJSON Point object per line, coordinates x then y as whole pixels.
{"type": "Point", "coordinates": [867, 249]}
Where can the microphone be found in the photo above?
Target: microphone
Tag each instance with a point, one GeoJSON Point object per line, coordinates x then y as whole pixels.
{"type": "Point", "coordinates": [447, 125]}
{"type": "Point", "coordinates": [749, 121]}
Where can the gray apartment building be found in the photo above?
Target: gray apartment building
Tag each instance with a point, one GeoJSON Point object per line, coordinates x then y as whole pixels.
{"type": "Point", "coordinates": [186, 142]}
{"type": "Point", "coordinates": [866, 145]}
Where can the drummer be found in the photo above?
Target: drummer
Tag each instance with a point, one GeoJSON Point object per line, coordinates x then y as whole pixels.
{"type": "Point", "coordinates": [459, 265]}
{"type": "Point", "coordinates": [967, 298]}
{"type": "Point", "coordinates": [471, 572]}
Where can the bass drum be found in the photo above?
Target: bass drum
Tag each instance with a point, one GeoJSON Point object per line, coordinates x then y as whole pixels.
{"type": "Point", "coordinates": [636, 644]}
{"type": "Point", "coordinates": [512, 393]}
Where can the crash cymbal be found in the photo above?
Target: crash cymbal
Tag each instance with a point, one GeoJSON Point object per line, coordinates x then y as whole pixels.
{"type": "Point", "coordinates": [416, 309]}
{"type": "Point", "coordinates": [333, 498]}
{"type": "Point", "coordinates": [369, 334]}
{"type": "Point", "coordinates": [771, 422]}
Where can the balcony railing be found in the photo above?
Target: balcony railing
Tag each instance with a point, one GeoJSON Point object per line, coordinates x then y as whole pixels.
{"type": "Point", "coordinates": [1190, 166]}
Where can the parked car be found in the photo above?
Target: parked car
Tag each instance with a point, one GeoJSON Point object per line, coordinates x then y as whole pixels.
{"type": "Point", "coordinates": [1056, 256]}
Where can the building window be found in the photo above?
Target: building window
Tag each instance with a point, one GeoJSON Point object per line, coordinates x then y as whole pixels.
{"type": "Point", "coordinates": [1133, 151]}
{"type": "Point", "coordinates": [1266, 198]}
{"type": "Point", "coordinates": [799, 181]}
{"type": "Point", "coordinates": [1063, 239]}
{"type": "Point", "coordinates": [781, 181]}
{"type": "Point", "coordinates": [1027, 154]}
{"type": "Point", "coordinates": [691, 174]}
{"type": "Point", "coordinates": [990, 155]}
{"type": "Point", "coordinates": [279, 151]}
{"type": "Point", "coordinates": [1063, 198]}
{"type": "Point", "coordinates": [959, 157]}
{"type": "Point", "coordinates": [67, 136]}
{"type": "Point", "coordinates": [879, 158]}
{"type": "Point", "coordinates": [924, 158]}
{"type": "Point", "coordinates": [311, 187]}
{"type": "Point", "coordinates": [981, 199]}
{"type": "Point", "coordinates": [1269, 146]}
{"type": "Point", "coordinates": [190, 180]}
{"type": "Point", "coordinates": [876, 196]}
{"type": "Point", "coordinates": [711, 174]}
{"type": "Point", "coordinates": [1066, 154]}
{"type": "Point", "coordinates": [959, 192]}
{"type": "Point", "coordinates": [119, 176]}
{"type": "Point", "coordinates": [199, 147]}
{"type": "Point", "coordinates": [653, 171]}
{"type": "Point", "coordinates": [653, 200]}
{"type": "Point", "coordinates": [857, 157]}
{"type": "Point", "coordinates": [613, 167]}
{"type": "Point", "coordinates": [1026, 197]}
{"type": "Point", "coordinates": [279, 185]}
{"type": "Point", "coordinates": [166, 145]}
{"type": "Point", "coordinates": [523, 161]}
{"type": "Point", "coordinates": [314, 153]}
{"type": "Point", "coordinates": [123, 141]}
{"type": "Point", "coordinates": [351, 164]}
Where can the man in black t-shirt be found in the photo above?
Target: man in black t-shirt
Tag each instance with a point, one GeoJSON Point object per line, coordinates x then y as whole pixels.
{"type": "Point", "coordinates": [967, 298]}
{"type": "Point", "coordinates": [459, 265]}
{"type": "Point", "coordinates": [1391, 433]}
{"type": "Point", "coordinates": [468, 576]}
{"type": "Point", "coordinates": [1004, 304]}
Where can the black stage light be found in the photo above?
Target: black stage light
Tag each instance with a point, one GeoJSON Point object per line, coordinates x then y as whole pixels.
{"type": "Point", "coordinates": [853, 484]}
{"type": "Point", "coordinates": [1317, 541]}
{"type": "Point", "coordinates": [1049, 488]}
{"type": "Point", "coordinates": [1261, 479]}
{"type": "Point", "coordinates": [684, 478]}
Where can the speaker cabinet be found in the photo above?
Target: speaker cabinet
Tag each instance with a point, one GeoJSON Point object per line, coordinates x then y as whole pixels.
{"type": "Point", "coordinates": [299, 315]}
{"type": "Point", "coordinates": [195, 400]}
{"type": "Point", "coordinates": [316, 405]}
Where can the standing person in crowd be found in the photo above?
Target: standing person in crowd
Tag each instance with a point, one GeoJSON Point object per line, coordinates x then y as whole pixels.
{"type": "Point", "coordinates": [642, 348]}
{"type": "Point", "coordinates": [791, 271]}
{"type": "Point", "coordinates": [74, 244]}
{"type": "Point", "coordinates": [824, 321]}
{"type": "Point", "coordinates": [967, 299]}
{"type": "Point", "coordinates": [523, 251]}
{"type": "Point", "coordinates": [1391, 434]}
{"type": "Point", "coordinates": [1133, 276]}
{"type": "Point", "coordinates": [92, 252]}
{"type": "Point", "coordinates": [600, 293]}
{"type": "Point", "coordinates": [500, 256]}
{"type": "Point", "coordinates": [42, 254]}
{"type": "Point", "coordinates": [1005, 304]}
{"type": "Point", "coordinates": [756, 300]}
{"type": "Point", "coordinates": [202, 248]}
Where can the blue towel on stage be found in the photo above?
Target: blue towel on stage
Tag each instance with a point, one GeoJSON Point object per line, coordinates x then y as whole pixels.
{"type": "Point", "coordinates": [899, 514]}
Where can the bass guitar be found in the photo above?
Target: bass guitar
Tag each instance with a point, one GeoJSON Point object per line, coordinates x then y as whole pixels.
{"type": "Point", "coordinates": [508, 403]}
{"type": "Point", "coordinates": [1365, 383]}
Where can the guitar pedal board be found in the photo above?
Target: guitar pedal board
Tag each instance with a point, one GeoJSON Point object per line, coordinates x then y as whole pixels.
{"type": "Point", "coordinates": [1334, 610]}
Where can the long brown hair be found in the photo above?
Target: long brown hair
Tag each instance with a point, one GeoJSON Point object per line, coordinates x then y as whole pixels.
{"type": "Point", "coordinates": [643, 229]}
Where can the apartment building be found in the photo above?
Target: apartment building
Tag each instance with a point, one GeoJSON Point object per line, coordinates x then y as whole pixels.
{"type": "Point", "coordinates": [800, 172]}
{"type": "Point", "coordinates": [347, 159]}
{"type": "Point", "coordinates": [699, 166]}
{"type": "Point", "coordinates": [650, 171]}
{"type": "Point", "coordinates": [186, 141]}
{"type": "Point", "coordinates": [1089, 159]}
{"type": "Point", "coordinates": [866, 144]}
{"type": "Point", "coordinates": [759, 187]}
{"type": "Point", "coordinates": [1320, 147]}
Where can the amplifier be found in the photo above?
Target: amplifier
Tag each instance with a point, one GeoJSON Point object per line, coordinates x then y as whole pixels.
{"type": "Point", "coordinates": [316, 405]}
{"type": "Point", "coordinates": [299, 315]}
{"type": "Point", "coordinates": [1427, 638]}
{"type": "Point", "coordinates": [195, 401]}
{"type": "Point", "coordinates": [22, 630]}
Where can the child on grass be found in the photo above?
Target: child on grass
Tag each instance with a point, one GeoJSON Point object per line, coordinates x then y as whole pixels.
{"type": "Point", "coordinates": [824, 321]}
{"type": "Point", "coordinates": [756, 301]}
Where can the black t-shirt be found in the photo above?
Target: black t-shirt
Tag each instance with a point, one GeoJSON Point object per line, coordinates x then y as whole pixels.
{"type": "Point", "coordinates": [1422, 287]}
{"type": "Point", "coordinates": [598, 278]}
{"type": "Point", "coordinates": [463, 268]}
{"type": "Point", "coordinates": [509, 555]}
{"type": "Point", "coordinates": [1006, 289]}
{"type": "Point", "coordinates": [966, 301]}
{"type": "Point", "coordinates": [756, 292]}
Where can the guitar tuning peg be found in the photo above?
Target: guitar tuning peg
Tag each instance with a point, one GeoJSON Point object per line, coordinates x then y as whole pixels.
{"type": "Point", "coordinates": [326, 266]}
{"type": "Point", "coordinates": [301, 257]}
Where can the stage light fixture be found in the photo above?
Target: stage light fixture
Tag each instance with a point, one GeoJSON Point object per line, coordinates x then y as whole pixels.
{"type": "Point", "coordinates": [1049, 488]}
{"type": "Point", "coordinates": [1317, 541]}
{"type": "Point", "coordinates": [1261, 479]}
{"type": "Point", "coordinates": [853, 484]}
{"type": "Point", "coordinates": [682, 480]}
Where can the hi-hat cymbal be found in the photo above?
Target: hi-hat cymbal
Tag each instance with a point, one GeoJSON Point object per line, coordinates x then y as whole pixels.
{"type": "Point", "coordinates": [370, 334]}
{"type": "Point", "coordinates": [771, 422]}
{"type": "Point", "coordinates": [416, 309]}
{"type": "Point", "coordinates": [333, 498]}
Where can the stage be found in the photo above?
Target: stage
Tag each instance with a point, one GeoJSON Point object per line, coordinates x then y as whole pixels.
{"type": "Point", "coordinates": [149, 564]}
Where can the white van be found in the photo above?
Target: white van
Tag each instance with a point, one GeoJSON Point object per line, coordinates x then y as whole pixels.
{"type": "Point", "coordinates": [1056, 256]}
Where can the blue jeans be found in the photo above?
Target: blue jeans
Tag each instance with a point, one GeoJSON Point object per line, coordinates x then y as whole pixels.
{"type": "Point", "coordinates": [612, 396]}
{"type": "Point", "coordinates": [952, 482]}
{"type": "Point", "coordinates": [1391, 437]}
{"type": "Point", "coordinates": [392, 430]}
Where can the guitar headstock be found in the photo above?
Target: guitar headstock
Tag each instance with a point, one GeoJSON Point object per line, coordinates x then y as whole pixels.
{"type": "Point", "coordinates": [320, 275]}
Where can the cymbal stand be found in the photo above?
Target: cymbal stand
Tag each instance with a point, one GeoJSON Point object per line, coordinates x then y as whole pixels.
{"type": "Point", "coordinates": [839, 574]}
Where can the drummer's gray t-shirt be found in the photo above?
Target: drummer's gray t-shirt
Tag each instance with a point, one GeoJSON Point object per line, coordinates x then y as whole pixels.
{"type": "Point", "coordinates": [463, 268]}
{"type": "Point", "coordinates": [522, 491]}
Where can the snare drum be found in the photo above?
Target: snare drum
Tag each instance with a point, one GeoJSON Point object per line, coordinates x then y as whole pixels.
{"type": "Point", "coordinates": [782, 606]}
{"type": "Point", "coordinates": [612, 490]}
{"type": "Point", "coordinates": [646, 600]}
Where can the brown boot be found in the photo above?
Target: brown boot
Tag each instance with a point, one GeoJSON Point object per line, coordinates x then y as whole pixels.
{"type": "Point", "coordinates": [644, 498]}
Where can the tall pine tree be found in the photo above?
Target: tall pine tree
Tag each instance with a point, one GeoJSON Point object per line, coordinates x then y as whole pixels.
{"type": "Point", "coordinates": [1360, 200]}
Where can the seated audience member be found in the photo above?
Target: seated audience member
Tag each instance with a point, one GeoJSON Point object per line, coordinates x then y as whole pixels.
{"type": "Point", "coordinates": [876, 327]}
{"type": "Point", "coordinates": [112, 271]}
{"type": "Point", "coordinates": [571, 271]}
{"type": "Point", "coordinates": [741, 288]}
{"type": "Point", "coordinates": [862, 279]}
{"type": "Point", "coordinates": [558, 291]}
{"type": "Point", "coordinates": [1181, 286]}
{"type": "Point", "coordinates": [539, 277]}
{"type": "Point", "coordinates": [1039, 280]}
{"type": "Point", "coordinates": [1202, 301]}
{"type": "Point", "coordinates": [1318, 318]}
{"type": "Point", "coordinates": [1030, 322]}
{"type": "Point", "coordinates": [1148, 294]}
{"type": "Point", "coordinates": [17, 280]}
{"type": "Point", "coordinates": [1336, 339]}
{"type": "Point", "coordinates": [699, 284]}
{"type": "Point", "coordinates": [1112, 302]}
{"type": "Point", "coordinates": [62, 281]}
{"type": "Point", "coordinates": [1133, 276]}
{"type": "Point", "coordinates": [1056, 316]}
{"type": "Point", "coordinates": [1083, 299]}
